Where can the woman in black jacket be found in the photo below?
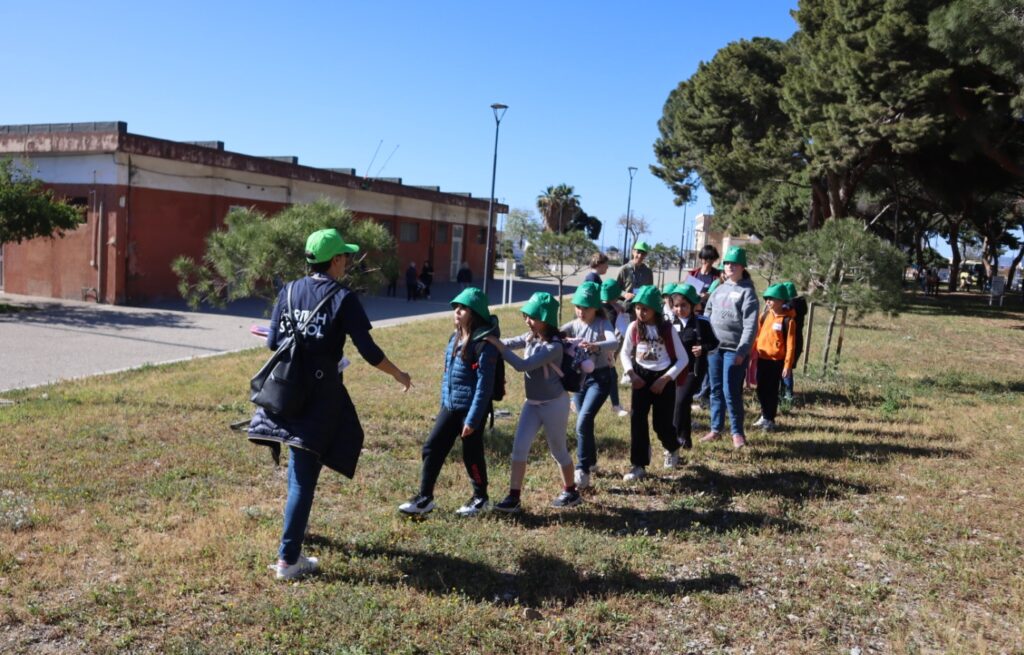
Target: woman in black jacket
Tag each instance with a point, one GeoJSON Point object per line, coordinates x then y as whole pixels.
{"type": "Point", "coordinates": [326, 431]}
{"type": "Point", "coordinates": [698, 340]}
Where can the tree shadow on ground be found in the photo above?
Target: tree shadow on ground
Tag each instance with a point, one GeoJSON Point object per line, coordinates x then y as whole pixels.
{"type": "Point", "coordinates": [795, 486]}
{"type": "Point", "coordinates": [880, 452]}
{"type": "Point", "coordinates": [817, 397]}
{"type": "Point", "coordinates": [958, 384]}
{"type": "Point", "coordinates": [534, 581]}
{"type": "Point", "coordinates": [962, 304]}
{"type": "Point", "coordinates": [95, 316]}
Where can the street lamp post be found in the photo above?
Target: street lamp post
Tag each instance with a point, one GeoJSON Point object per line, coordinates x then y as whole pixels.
{"type": "Point", "coordinates": [629, 200]}
{"type": "Point", "coordinates": [682, 245]}
{"type": "Point", "coordinates": [499, 113]}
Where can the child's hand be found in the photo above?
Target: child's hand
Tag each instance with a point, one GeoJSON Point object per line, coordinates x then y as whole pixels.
{"type": "Point", "coordinates": [696, 350]}
{"type": "Point", "coordinates": [494, 341]}
{"type": "Point", "coordinates": [466, 431]}
{"type": "Point", "coordinates": [636, 381]}
{"type": "Point", "coordinates": [659, 384]}
{"type": "Point", "coordinates": [786, 372]}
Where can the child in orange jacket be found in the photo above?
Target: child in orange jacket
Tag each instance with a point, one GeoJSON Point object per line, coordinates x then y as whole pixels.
{"type": "Point", "coordinates": [776, 352]}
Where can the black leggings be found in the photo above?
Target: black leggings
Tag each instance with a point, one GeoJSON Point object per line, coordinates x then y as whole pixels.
{"type": "Point", "coordinates": [684, 399]}
{"type": "Point", "coordinates": [769, 373]}
{"type": "Point", "coordinates": [447, 428]}
{"type": "Point", "coordinates": [661, 406]}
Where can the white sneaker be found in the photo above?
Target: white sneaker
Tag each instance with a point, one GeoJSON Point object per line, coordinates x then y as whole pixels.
{"type": "Point", "coordinates": [671, 459]}
{"type": "Point", "coordinates": [760, 422]}
{"type": "Point", "coordinates": [302, 567]}
{"type": "Point", "coordinates": [582, 479]}
{"type": "Point", "coordinates": [635, 473]}
{"type": "Point", "coordinates": [474, 506]}
{"type": "Point", "coordinates": [620, 411]}
{"type": "Point", "coordinates": [418, 504]}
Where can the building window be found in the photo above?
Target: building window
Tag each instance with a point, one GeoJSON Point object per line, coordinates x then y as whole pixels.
{"type": "Point", "coordinates": [409, 232]}
{"type": "Point", "coordinates": [481, 235]}
{"type": "Point", "coordinates": [442, 233]}
{"type": "Point", "coordinates": [387, 224]}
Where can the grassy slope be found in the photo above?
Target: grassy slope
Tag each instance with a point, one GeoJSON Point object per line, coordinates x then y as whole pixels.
{"type": "Point", "coordinates": [884, 516]}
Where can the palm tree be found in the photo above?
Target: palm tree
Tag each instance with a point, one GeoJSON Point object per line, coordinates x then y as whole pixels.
{"type": "Point", "coordinates": [558, 205]}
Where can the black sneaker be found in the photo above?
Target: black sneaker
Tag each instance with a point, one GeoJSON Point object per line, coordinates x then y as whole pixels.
{"type": "Point", "coordinates": [474, 506]}
{"type": "Point", "coordinates": [567, 499]}
{"type": "Point", "coordinates": [511, 505]}
{"type": "Point", "coordinates": [418, 504]}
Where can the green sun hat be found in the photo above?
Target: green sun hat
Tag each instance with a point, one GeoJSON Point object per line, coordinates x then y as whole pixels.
{"type": "Point", "coordinates": [542, 307]}
{"type": "Point", "coordinates": [777, 292]}
{"type": "Point", "coordinates": [735, 255]}
{"type": "Point", "coordinates": [587, 294]}
{"type": "Point", "coordinates": [611, 290]}
{"type": "Point", "coordinates": [648, 296]}
{"type": "Point", "coordinates": [668, 289]}
{"type": "Point", "coordinates": [714, 285]}
{"type": "Point", "coordinates": [475, 299]}
{"type": "Point", "coordinates": [791, 290]}
{"type": "Point", "coordinates": [687, 291]}
{"type": "Point", "coordinates": [322, 245]}
{"type": "Point", "coordinates": [641, 246]}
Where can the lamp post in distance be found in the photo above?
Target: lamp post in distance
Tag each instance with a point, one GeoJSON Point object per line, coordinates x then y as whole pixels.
{"type": "Point", "coordinates": [629, 200]}
{"type": "Point", "coordinates": [499, 112]}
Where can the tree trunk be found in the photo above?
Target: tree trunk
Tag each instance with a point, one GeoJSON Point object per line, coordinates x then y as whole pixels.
{"type": "Point", "coordinates": [1013, 267]}
{"type": "Point", "coordinates": [954, 246]}
{"type": "Point", "coordinates": [828, 337]}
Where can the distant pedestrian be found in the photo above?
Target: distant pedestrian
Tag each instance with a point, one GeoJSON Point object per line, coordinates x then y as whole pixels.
{"type": "Point", "coordinates": [598, 267]}
{"type": "Point", "coordinates": [427, 278]}
{"type": "Point", "coordinates": [411, 283]}
{"type": "Point", "coordinates": [464, 276]}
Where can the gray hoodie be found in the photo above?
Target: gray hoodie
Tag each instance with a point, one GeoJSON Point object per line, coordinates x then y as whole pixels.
{"type": "Point", "coordinates": [542, 383]}
{"type": "Point", "coordinates": [733, 309]}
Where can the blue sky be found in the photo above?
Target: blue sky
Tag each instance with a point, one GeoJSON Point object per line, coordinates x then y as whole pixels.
{"type": "Point", "coordinates": [328, 81]}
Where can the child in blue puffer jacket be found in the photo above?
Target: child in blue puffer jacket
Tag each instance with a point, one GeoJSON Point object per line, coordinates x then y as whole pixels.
{"type": "Point", "coordinates": [466, 390]}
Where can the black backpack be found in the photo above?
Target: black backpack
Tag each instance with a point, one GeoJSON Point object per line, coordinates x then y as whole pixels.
{"type": "Point", "coordinates": [282, 385]}
{"type": "Point", "coordinates": [499, 373]}
{"type": "Point", "coordinates": [572, 376]}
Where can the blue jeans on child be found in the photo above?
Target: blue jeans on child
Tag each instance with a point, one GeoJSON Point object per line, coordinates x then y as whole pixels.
{"type": "Point", "coordinates": [303, 473]}
{"type": "Point", "coordinates": [726, 388]}
{"type": "Point", "coordinates": [589, 400]}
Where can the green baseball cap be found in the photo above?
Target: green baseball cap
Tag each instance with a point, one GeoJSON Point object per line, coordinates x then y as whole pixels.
{"type": "Point", "coordinates": [587, 294]}
{"type": "Point", "coordinates": [687, 291]}
{"type": "Point", "coordinates": [542, 307]}
{"type": "Point", "coordinates": [648, 295]}
{"type": "Point", "coordinates": [610, 290]}
{"type": "Point", "coordinates": [735, 255]}
{"type": "Point", "coordinates": [777, 291]}
{"type": "Point", "coordinates": [791, 290]}
{"type": "Point", "coordinates": [323, 245]}
{"type": "Point", "coordinates": [475, 299]}
{"type": "Point", "coordinates": [641, 246]}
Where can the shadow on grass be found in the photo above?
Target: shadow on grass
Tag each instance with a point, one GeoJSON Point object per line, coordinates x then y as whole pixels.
{"type": "Point", "coordinates": [795, 486]}
{"type": "Point", "coordinates": [962, 304]}
{"type": "Point", "coordinates": [853, 450]}
{"type": "Point", "coordinates": [961, 384]}
{"type": "Point", "coordinates": [537, 579]}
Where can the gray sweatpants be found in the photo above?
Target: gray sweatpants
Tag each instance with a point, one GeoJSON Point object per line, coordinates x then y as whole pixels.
{"type": "Point", "coordinates": [553, 416]}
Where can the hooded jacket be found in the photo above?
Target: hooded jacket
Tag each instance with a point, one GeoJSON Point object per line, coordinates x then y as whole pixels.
{"type": "Point", "coordinates": [732, 309]}
{"type": "Point", "coordinates": [468, 385]}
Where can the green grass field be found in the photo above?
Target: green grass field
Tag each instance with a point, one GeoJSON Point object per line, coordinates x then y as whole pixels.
{"type": "Point", "coordinates": [884, 517]}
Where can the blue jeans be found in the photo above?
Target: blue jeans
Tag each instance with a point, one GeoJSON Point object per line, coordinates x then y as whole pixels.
{"type": "Point", "coordinates": [303, 473]}
{"type": "Point", "coordinates": [589, 400]}
{"type": "Point", "coordinates": [726, 387]}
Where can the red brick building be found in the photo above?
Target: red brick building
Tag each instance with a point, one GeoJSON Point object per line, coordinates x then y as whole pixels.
{"type": "Point", "coordinates": [149, 200]}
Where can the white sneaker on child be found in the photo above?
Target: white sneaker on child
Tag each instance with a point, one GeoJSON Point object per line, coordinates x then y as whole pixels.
{"type": "Point", "coordinates": [635, 473]}
{"type": "Point", "coordinates": [582, 479]}
{"type": "Point", "coordinates": [760, 422]}
{"type": "Point", "coordinates": [620, 411]}
{"type": "Point", "coordinates": [671, 459]}
{"type": "Point", "coordinates": [302, 567]}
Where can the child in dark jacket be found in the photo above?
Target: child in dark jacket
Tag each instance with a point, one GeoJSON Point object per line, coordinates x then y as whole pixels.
{"type": "Point", "coordinates": [798, 304]}
{"type": "Point", "coordinates": [776, 347]}
{"type": "Point", "coordinates": [466, 389]}
{"type": "Point", "coordinates": [698, 340]}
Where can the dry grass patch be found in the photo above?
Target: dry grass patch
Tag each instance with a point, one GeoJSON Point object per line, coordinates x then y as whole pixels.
{"type": "Point", "coordinates": [883, 516]}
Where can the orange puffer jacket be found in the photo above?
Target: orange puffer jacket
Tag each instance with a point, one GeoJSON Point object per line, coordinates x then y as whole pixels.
{"type": "Point", "coordinates": [771, 342]}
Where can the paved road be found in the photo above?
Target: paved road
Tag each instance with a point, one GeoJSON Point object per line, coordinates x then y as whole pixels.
{"type": "Point", "coordinates": [46, 340]}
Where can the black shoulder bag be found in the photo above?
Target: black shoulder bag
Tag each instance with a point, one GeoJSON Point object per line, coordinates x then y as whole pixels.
{"type": "Point", "coordinates": [281, 386]}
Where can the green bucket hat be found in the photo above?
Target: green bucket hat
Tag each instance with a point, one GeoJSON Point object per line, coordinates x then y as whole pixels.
{"type": "Point", "coordinates": [587, 294]}
{"type": "Point", "coordinates": [475, 299]}
{"type": "Point", "coordinates": [611, 290]}
{"type": "Point", "coordinates": [668, 289]}
{"type": "Point", "coordinates": [322, 245]}
{"type": "Point", "coordinates": [714, 285]}
{"type": "Point", "coordinates": [735, 255]}
{"type": "Point", "coordinates": [542, 307]}
{"type": "Point", "coordinates": [687, 291]}
{"type": "Point", "coordinates": [791, 290]}
{"type": "Point", "coordinates": [641, 246]}
{"type": "Point", "coordinates": [648, 296]}
{"type": "Point", "coordinates": [777, 292]}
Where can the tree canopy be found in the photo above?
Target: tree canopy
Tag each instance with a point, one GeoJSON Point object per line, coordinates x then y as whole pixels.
{"type": "Point", "coordinates": [28, 210]}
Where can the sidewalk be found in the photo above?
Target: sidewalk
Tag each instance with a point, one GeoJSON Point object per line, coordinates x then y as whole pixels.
{"type": "Point", "coordinates": [45, 340]}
